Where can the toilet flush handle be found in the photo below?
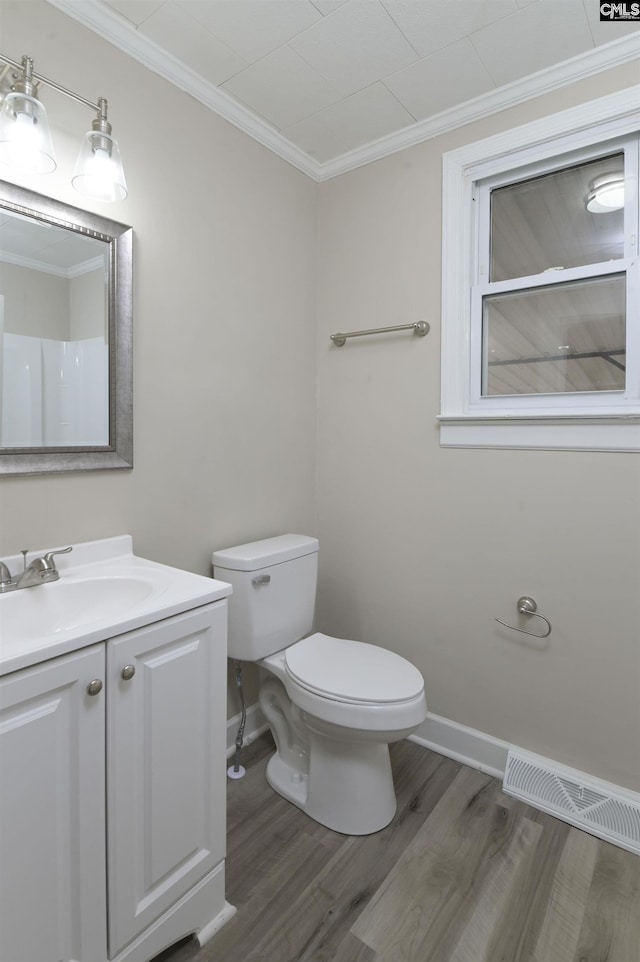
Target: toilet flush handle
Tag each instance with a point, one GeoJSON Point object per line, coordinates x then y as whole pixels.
{"type": "Point", "coordinates": [261, 580]}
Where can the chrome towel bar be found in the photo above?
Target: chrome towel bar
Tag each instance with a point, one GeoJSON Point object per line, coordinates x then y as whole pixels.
{"type": "Point", "coordinates": [420, 328]}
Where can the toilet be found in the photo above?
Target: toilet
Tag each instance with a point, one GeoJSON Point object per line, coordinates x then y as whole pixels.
{"type": "Point", "coordinates": [333, 705]}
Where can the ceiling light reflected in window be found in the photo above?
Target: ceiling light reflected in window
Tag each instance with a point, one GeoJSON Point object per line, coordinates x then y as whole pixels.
{"type": "Point", "coordinates": [606, 193]}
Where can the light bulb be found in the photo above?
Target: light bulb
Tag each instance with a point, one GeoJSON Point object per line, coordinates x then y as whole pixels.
{"type": "Point", "coordinates": [98, 172]}
{"type": "Point", "coordinates": [25, 141]}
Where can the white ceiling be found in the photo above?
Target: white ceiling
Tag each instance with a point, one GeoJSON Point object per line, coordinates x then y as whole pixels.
{"type": "Point", "coordinates": [321, 81]}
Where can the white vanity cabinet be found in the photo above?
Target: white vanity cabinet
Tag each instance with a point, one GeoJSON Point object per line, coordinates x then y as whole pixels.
{"type": "Point", "coordinates": [156, 727]}
{"type": "Point", "coordinates": [166, 784]}
{"type": "Point", "coordinates": [52, 827]}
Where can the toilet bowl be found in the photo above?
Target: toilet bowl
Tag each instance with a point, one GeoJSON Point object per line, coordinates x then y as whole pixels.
{"type": "Point", "coordinates": [333, 705]}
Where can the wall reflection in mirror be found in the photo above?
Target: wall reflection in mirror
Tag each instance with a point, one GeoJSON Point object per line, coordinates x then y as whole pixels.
{"type": "Point", "coordinates": [65, 337]}
{"type": "Point", "coordinates": [55, 335]}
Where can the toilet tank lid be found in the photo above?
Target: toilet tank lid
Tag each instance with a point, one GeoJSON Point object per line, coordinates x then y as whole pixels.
{"type": "Point", "coordinates": [261, 554]}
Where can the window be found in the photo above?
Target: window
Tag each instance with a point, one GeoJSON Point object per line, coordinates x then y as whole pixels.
{"type": "Point", "coordinates": [541, 284]}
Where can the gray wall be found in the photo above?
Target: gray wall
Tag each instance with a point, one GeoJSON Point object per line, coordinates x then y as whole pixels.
{"type": "Point", "coordinates": [35, 304]}
{"type": "Point", "coordinates": [224, 317]}
{"type": "Point", "coordinates": [423, 547]}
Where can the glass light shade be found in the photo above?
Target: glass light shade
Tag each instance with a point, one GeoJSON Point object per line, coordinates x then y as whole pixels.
{"type": "Point", "coordinates": [25, 140]}
{"type": "Point", "coordinates": [98, 172]}
{"type": "Point", "coordinates": [606, 194]}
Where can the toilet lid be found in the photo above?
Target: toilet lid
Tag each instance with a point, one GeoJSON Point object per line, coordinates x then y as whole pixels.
{"type": "Point", "coordinates": [352, 671]}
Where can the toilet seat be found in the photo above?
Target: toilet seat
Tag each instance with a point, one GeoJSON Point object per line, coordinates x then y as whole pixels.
{"type": "Point", "coordinates": [351, 672]}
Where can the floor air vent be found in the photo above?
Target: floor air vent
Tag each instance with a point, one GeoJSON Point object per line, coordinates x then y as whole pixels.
{"type": "Point", "coordinates": [586, 803]}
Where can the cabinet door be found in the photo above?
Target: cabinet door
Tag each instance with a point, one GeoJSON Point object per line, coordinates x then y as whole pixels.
{"type": "Point", "coordinates": [166, 735]}
{"type": "Point", "coordinates": [52, 812]}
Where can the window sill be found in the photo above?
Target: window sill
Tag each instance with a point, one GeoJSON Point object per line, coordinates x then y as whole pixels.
{"type": "Point", "coordinates": [546, 434]}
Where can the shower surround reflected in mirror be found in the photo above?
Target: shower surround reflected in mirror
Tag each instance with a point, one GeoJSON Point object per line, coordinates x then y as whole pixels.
{"type": "Point", "coordinates": [65, 337]}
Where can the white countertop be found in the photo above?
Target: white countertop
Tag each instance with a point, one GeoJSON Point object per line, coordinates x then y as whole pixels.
{"type": "Point", "coordinates": [104, 590]}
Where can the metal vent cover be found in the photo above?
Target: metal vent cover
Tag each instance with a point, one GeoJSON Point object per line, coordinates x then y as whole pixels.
{"type": "Point", "coordinates": [572, 796]}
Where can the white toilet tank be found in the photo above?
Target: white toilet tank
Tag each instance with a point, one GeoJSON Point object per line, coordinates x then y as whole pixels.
{"type": "Point", "coordinates": [274, 593]}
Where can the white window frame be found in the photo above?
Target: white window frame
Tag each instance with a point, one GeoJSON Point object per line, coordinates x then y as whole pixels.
{"type": "Point", "coordinates": [599, 420]}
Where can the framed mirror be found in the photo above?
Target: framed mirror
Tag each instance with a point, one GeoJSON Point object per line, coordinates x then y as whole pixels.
{"type": "Point", "coordinates": [66, 374]}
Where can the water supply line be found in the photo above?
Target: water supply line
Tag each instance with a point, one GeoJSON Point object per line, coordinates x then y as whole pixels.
{"type": "Point", "coordinates": [237, 770]}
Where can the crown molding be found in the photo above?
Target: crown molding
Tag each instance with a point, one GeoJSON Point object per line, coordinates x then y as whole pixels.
{"type": "Point", "coordinates": [67, 273]}
{"type": "Point", "coordinates": [112, 27]}
{"type": "Point", "coordinates": [583, 66]}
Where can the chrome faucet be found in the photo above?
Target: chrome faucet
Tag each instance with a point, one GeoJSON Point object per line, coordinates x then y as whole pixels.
{"type": "Point", "coordinates": [39, 572]}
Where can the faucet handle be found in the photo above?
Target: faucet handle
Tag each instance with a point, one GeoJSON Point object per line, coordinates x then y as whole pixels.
{"type": "Point", "coordinates": [48, 558]}
{"type": "Point", "coordinates": [5, 574]}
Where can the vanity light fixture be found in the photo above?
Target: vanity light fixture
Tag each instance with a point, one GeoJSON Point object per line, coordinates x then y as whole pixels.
{"type": "Point", "coordinates": [606, 193]}
{"type": "Point", "coordinates": [25, 141]}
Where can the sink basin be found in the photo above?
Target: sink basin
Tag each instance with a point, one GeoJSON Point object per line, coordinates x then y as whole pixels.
{"type": "Point", "coordinates": [104, 590]}
{"type": "Point", "coordinates": [62, 606]}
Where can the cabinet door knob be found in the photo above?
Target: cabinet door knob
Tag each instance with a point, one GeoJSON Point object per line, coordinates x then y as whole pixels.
{"type": "Point", "coordinates": [128, 672]}
{"type": "Point", "coordinates": [94, 687]}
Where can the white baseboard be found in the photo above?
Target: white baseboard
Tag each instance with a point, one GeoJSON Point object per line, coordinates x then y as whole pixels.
{"type": "Point", "coordinates": [466, 745]}
{"type": "Point", "coordinates": [254, 727]}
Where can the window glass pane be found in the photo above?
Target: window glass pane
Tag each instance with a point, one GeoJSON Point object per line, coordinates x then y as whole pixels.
{"type": "Point", "coordinates": [560, 339]}
{"type": "Point", "coordinates": [543, 223]}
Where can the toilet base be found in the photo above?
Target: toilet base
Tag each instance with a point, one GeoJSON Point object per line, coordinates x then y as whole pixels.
{"type": "Point", "coordinates": [349, 787]}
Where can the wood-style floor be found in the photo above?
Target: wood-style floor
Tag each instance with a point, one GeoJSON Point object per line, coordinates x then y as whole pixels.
{"type": "Point", "coordinates": [462, 874]}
